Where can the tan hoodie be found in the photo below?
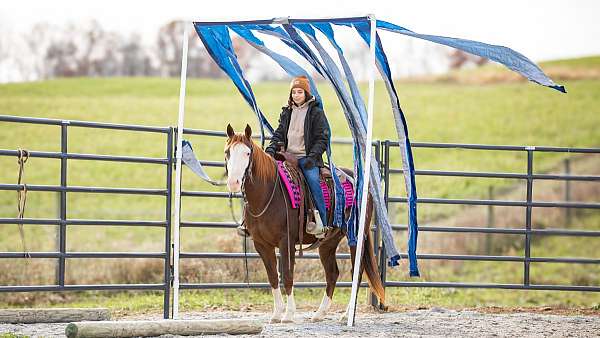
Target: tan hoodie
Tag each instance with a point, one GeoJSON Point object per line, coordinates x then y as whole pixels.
{"type": "Point", "coordinates": [295, 133]}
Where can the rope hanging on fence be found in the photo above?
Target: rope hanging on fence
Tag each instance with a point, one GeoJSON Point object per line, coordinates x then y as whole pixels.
{"type": "Point", "coordinates": [22, 157]}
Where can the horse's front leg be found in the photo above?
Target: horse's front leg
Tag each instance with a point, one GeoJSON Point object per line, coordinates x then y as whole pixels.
{"type": "Point", "coordinates": [288, 256]}
{"type": "Point", "coordinates": [267, 253]}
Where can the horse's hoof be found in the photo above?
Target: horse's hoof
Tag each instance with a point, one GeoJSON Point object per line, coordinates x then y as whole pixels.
{"type": "Point", "coordinates": [275, 320]}
{"type": "Point", "coordinates": [343, 319]}
{"type": "Point", "coordinates": [288, 318]}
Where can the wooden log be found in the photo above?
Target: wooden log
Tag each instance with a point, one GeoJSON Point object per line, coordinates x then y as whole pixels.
{"type": "Point", "coordinates": [148, 328]}
{"type": "Point", "coordinates": [58, 315]}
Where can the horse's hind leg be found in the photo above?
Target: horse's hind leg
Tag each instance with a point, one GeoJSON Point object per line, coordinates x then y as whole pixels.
{"type": "Point", "coordinates": [267, 254]}
{"type": "Point", "coordinates": [327, 256]}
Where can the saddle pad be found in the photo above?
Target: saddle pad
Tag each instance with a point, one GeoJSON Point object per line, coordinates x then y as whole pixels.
{"type": "Point", "coordinates": [348, 193]}
{"type": "Point", "coordinates": [292, 188]}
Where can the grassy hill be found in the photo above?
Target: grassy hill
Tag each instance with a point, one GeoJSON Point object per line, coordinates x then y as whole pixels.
{"type": "Point", "coordinates": [583, 68]}
{"type": "Point", "coordinates": [516, 113]}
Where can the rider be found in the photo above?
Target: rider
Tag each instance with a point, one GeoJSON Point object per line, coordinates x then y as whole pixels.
{"type": "Point", "coordinates": [304, 131]}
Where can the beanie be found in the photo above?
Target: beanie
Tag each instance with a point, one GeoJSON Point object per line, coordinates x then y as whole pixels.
{"type": "Point", "coordinates": [301, 82]}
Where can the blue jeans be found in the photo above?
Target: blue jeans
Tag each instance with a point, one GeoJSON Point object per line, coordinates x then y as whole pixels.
{"type": "Point", "coordinates": [312, 177]}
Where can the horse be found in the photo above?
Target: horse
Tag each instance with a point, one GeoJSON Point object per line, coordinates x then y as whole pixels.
{"type": "Point", "coordinates": [272, 223]}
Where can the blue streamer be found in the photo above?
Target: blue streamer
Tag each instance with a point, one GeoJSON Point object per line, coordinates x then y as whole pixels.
{"type": "Point", "coordinates": [503, 55]}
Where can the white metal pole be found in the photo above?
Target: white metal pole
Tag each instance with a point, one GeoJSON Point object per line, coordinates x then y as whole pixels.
{"type": "Point", "coordinates": [366, 175]}
{"type": "Point", "coordinates": [176, 220]}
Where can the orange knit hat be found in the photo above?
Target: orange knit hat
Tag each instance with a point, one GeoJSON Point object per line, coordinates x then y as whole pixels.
{"type": "Point", "coordinates": [301, 82]}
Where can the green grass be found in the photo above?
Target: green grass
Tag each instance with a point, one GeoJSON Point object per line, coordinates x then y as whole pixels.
{"type": "Point", "coordinates": [587, 62]}
{"type": "Point", "coordinates": [513, 114]}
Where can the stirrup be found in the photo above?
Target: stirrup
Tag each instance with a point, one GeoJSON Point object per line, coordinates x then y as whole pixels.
{"type": "Point", "coordinates": [316, 228]}
{"type": "Point", "coordinates": [242, 231]}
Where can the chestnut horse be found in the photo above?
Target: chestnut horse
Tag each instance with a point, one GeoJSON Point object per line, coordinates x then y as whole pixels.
{"type": "Point", "coordinates": [272, 223]}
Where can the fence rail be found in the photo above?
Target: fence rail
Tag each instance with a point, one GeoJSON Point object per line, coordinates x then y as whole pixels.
{"type": "Point", "coordinates": [383, 157]}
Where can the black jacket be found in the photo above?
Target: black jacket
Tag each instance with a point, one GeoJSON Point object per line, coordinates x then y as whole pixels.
{"type": "Point", "coordinates": [316, 132]}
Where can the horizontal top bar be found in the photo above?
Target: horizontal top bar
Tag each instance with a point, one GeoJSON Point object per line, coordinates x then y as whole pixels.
{"type": "Point", "coordinates": [278, 21]}
{"type": "Point", "coordinates": [37, 120]}
{"type": "Point", "coordinates": [75, 123]}
{"type": "Point", "coordinates": [204, 132]}
{"type": "Point", "coordinates": [107, 190]}
{"type": "Point", "coordinates": [93, 157]}
{"type": "Point", "coordinates": [342, 140]}
{"type": "Point", "coordinates": [511, 231]}
{"type": "Point", "coordinates": [508, 203]}
{"type": "Point", "coordinates": [498, 147]}
{"type": "Point", "coordinates": [480, 174]}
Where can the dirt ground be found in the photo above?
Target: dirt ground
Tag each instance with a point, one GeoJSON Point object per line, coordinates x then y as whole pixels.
{"type": "Point", "coordinates": [432, 322]}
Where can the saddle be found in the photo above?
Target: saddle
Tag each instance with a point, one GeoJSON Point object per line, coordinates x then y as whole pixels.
{"type": "Point", "coordinates": [305, 201]}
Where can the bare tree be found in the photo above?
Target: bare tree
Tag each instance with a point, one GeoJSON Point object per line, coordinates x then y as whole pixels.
{"type": "Point", "coordinates": [169, 43]}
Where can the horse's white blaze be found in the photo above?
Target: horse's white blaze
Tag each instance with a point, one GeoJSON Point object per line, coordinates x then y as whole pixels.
{"type": "Point", "coordinates": [278, 305]}
{"type": "Point", "coordinates": [239, 157]}
{"type": "Point", "coordinates": [290, 309]}
{"type": "Point", "coordinates": [323, 308]}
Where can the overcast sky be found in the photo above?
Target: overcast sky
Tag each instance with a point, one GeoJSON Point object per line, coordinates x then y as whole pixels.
{"type": "Point", "coordinates": [542, 29]}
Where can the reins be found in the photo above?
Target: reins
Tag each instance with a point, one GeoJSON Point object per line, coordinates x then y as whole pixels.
{"type": "Point", "coordinates": [246, 204]}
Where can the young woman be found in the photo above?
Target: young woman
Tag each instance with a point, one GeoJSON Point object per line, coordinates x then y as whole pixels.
{"type": "Point", "coordinates": [304, 131]}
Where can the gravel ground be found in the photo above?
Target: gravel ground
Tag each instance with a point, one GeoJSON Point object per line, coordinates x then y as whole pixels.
{"type": "Point", "coordinates": [434, 322]}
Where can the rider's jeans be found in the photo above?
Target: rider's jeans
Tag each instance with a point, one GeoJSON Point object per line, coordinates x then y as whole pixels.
{"type": "Point", "coordinates": [312, 176]}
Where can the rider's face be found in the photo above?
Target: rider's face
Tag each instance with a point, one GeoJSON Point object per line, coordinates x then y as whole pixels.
{"type": "Point", "coordinates": [298, 95]}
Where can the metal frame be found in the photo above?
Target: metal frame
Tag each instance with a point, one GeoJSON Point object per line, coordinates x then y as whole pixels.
{"type": "Point", "coordinates": [529, 204]}
{"type": "Point", "coordinates": [382, 154]}
{"type": "Point", "coordinates": [63, 221]}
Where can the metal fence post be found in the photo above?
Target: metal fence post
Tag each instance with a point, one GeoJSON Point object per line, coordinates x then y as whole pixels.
{"type": "Point", "coordinates": [528, 214]}
{"type": "Point", "coordinates": [568, 193]}
{"type": "Point", "coordinates": [376, 227]}
{"type": "Point", "coordinates": [490, 222]}
{"type": "Point", "coordinates": [386, 194]}
{"type": "Point", "coordinates": [63, 203]}
{"type": "Point", "coordinates": [168, 277]}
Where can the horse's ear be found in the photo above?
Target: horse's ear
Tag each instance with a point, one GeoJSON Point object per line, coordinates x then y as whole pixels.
{"type": "Point", "coordinates": [230, 131]}
{"type": "Point", "coordinates": [248, 132]}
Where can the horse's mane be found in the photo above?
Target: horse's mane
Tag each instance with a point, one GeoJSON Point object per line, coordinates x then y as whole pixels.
{"type": "Point", "coordinates": [263, 165]}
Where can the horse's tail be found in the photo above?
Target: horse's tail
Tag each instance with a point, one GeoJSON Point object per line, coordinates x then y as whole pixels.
{"type": "Point", "coordinates": [369, 261]}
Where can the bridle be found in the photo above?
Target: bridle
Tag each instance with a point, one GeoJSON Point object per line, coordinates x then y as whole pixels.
{"type": "Point", "coordinates": [248, 174]}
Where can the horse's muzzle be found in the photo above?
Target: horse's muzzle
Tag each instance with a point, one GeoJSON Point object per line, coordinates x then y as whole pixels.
{"type": "Point", "coordinates": [234, 185]}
